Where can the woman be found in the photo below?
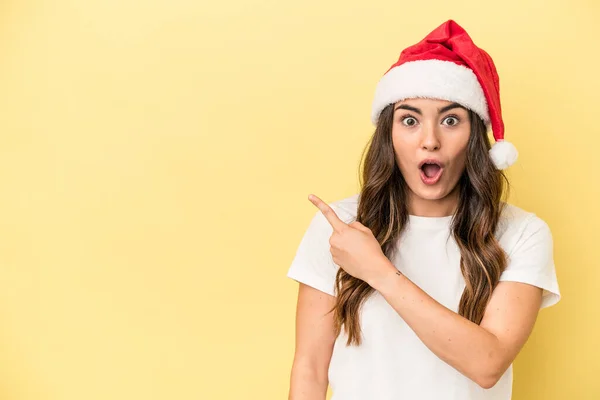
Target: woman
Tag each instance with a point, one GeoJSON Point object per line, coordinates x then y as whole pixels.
{"type": "Point", "coordinates": [426, 284]}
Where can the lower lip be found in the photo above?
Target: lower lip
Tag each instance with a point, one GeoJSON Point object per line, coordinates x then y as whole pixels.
{"type": "Point", "coordinates": [433, 180]}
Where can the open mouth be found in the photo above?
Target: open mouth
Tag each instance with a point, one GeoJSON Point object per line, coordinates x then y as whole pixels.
{"type": "Point", "coordinates": [431, 171]}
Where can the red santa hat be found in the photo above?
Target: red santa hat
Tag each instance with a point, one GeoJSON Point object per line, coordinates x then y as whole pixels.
{"type": "Point", "coordinates": [447, 65]}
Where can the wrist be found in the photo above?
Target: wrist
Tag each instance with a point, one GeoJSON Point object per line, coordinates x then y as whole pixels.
{"type": "Point", "coordinates": [386, 273]}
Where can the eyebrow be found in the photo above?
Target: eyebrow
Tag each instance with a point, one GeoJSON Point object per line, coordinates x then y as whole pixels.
{"type": "Point", "coordinates": [440, 111]}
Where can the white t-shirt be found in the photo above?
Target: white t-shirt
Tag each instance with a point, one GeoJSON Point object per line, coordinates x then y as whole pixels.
{"type": "Point", "coordinates": [392, 363]}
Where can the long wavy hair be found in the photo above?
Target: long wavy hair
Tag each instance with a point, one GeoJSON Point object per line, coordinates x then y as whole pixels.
{"type": "Point", "coordinates": [382, 207]}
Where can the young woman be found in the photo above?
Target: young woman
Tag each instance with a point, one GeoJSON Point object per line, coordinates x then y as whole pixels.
{"type": "Point", "coordinates": [426, 284]}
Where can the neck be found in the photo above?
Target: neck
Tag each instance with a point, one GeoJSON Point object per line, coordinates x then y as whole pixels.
{"type": "Point", "coordinates": [443, 207]}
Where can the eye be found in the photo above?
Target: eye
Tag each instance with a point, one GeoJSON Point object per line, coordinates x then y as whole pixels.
{"type": "Point", "coordinates": [409, 121]}
{"type": "Point", "coordinates": [450, 121]}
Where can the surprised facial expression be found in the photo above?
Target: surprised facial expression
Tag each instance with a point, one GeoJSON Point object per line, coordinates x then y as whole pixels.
{"type": "Point", "coordinates": [430, 143]}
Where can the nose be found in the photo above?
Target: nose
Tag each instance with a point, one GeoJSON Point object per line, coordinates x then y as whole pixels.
{"type": "Point", "coordinates": [430, 140]}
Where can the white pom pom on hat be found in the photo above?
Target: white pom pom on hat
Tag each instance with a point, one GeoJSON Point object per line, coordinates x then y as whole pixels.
{"type": "Point", "coordinates": [503, 154]}
{"type": "Point", "coordinates": [447, 65]}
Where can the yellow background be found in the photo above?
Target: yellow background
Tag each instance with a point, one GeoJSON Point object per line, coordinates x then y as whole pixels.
{"type": "Point", "coordinates": [155, 158]}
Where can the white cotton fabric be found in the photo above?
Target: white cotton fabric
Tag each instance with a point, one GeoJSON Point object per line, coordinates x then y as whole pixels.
{"type": "Point", "coordinates": [392, 363]}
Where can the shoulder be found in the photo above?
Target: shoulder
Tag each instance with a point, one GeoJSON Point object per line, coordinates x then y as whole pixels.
{"type": "Point", "coordinates": [517, 225]}
{"type": "Point", "coordinates": [528, 243]}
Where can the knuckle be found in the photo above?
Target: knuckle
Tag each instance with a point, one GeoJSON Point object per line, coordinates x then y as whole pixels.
{"type": "Point", "coordinates": [333, 240]}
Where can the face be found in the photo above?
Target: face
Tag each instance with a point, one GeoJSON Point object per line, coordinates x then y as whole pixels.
{"type": "Point", "coordinates": [430, 142]}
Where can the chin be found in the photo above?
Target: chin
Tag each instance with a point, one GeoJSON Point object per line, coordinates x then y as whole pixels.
{"type": "Point", "coordinates": [431, 194]}
{"type": "Point", "coordinates": [436, 192]}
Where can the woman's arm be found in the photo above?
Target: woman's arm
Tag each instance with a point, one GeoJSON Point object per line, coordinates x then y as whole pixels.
{"type": "Point", "coordinates": [314, 344]}
{"type": "Point", "coordinates": [480, 352]}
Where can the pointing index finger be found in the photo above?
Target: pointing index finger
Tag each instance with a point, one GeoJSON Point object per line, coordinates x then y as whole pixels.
{"type": "Point", "coordinates": [336, 223]}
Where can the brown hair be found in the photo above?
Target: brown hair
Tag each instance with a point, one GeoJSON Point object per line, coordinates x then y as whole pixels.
{"type": "Point", "coordinates": [382, 208]}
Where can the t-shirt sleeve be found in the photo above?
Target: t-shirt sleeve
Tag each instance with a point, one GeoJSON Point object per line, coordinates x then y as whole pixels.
{"type": "Point", "coordinates": [313, 264]}
{"type": "Point", "coordinates": [531, 260]}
